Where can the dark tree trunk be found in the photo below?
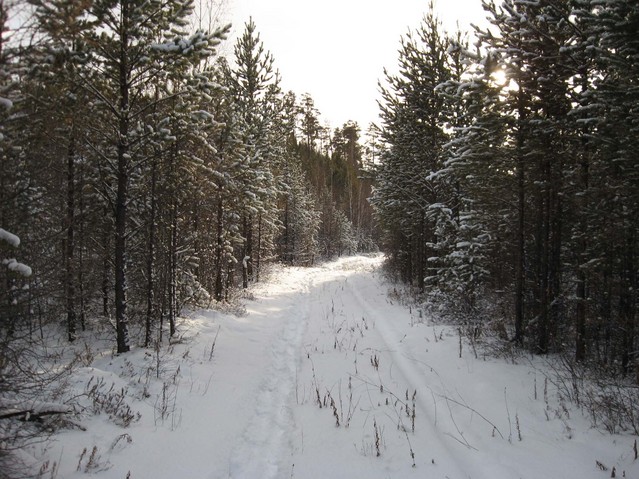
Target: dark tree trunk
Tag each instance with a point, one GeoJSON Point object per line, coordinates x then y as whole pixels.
{"type": "Point", "coordinates": [544, 297]}
{"type": "Point", "coordinates": [173, 306]}
{"type": "Point", "coordinates": [628, 299]}
{"type": "Point", "coordinates": [70, 240]}
{"type": "Point", "coordinates": [81, 285]}
{"type": "Point", "coordinates": [121, 316]}
{"type": "Point", "coordinates": [219, 252]}
{"type": "Point", "coordinates": [421, 253]}
{"type": "Point", "coordinates": [258, 254]}
{"type": "Point", "coordinates": [122, 195]}
{"type": "Point", "coordinates": [286, 248]}
{"type": "Point", "coordinates": [520, 257]}
{"type": "Point", "coordinates": [106, 269]}
{"type": "Point", "coordinates": [150, 265]}
{"type": "Point", "coordinates": [247, 251]}
{"type": "Point", "coordinates": [555, 225]}
{"type": "Point", "coordinates": [582, 247]}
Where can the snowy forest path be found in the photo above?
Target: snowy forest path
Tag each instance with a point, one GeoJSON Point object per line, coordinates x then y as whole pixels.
{"type": "Point", "coordinates": [264, 442]}
{"type": "Point", "coordinates": [338, 384]}
{"type": "Point", "coordinates": [385, 401]}
{"type": "Point", "coordinates": [332, 374]}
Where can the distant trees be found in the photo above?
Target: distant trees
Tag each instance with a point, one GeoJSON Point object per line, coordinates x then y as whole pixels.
{"type": "Point", "coordinates": [526, 189]}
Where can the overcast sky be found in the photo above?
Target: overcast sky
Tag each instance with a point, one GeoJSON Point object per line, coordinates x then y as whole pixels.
{"type": "Point", "coordinates": [336, 50]}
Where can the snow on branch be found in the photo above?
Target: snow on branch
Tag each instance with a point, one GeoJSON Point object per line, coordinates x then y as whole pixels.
{"type": "Point", "coordinates": [10, 238]}
{"type": "Point", "coordinates": [18, 267]}
{"type": "Point", "coordinates": [6, 103]}
{"type": "Point", "coordinates": [198, 41]}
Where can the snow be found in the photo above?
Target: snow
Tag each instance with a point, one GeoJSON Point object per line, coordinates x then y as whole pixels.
{"type": "Point", "coordinates": [239, 396]}
{"type": "Point", "coordinates": [10, 238]}
{"type": "Point", "coordinates": [6, 103]}
{"type": "Point", "coordinates": [20, 268]}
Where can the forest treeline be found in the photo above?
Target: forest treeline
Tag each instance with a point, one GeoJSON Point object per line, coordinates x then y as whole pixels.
{"type": "Point", "coordinates": [142, 171]}
{"type": "Point", "coordinates": [510, 181]}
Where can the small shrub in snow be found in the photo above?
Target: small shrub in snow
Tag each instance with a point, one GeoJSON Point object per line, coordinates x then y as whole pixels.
{"type": "Point", "coordinates": [111, 401]}
{"type": "Point", "coordinates": [94, 462]}
{"type": "Point", "coordinates": [613, 406]}
{"type": "Point", "coordinates": [48, 469]}
{"type": "Point", "coordinates": [378, 438]}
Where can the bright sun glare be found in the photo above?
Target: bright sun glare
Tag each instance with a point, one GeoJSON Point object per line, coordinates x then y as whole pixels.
{"type": "Point", "coordinates": [499, 77]}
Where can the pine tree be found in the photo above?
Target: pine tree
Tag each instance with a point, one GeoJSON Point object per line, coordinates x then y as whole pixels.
{"type": "Point", "coordinates": [54, 87]}
{"type": "Point", "coordinates": [607, 177]}
{"type": "Point", "coordinates": [414, 130]}
{"type": "Point", "coordinates": [309, 123]}
{"type": "Point", "coordinates": [132, 52]}
{"type": "Point", "coordinates": [530, 48]}
{"type": "Point", "coordinates": [254, 86]}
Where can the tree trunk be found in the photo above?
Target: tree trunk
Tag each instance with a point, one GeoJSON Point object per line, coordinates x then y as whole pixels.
{"type": "Point", "coordinates": [521, 225]}
{"type": "Point", "coordinates": [150, 264]}
{"type": "Point", "coordinates": [628, 298]}
{"type": "Point", "coordinates": [122, 195]}
{"type": "Point", "coordinates": [582, 247]}
{"type": "Point", "coordinates": [543, 261]}
{"type": "Point", "coordinates": [70, 240]}
{"type": "Point", "coordinates": [81, 291]}
{"type": "Point", "coordinates": [106, 270]}
{"type": "Point", "coordinates": [258, 255]}
{"type": "Point", "coordinates": [286, 249]}
{"type": "Point", "coordinates": [421, 253]}
{"type": "Point", "coordinates": [121, 316]}
{"type": "Point", "coordinates": [173, 306]}
{"type": "Point", "coordinates": [247, 250]}
{"type": "Point", "coordinates": [219, 252]}
{"type": "Point", "coordinates": [555, 224]}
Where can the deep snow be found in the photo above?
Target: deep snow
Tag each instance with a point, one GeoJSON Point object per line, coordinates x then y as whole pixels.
{"type": "Point", "coordinates": [334, 336]}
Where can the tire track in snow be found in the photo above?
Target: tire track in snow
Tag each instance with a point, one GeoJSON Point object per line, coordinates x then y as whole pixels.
{"type": "Point", "coordinates": [265, 444]}
{"type": "Point", "coordinates": [451, 456]}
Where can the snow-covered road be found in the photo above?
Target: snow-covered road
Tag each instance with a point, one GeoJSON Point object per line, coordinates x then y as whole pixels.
{"type": "Point", "coordinates": [329, 376]}
{"type": "Point", "coordinates": [353, 384]}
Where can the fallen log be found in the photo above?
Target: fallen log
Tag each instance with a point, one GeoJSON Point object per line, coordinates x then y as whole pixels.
{"type": "Point", "coordinates": [33, 414]}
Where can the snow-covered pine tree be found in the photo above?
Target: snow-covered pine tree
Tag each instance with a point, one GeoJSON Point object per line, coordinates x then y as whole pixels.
{"type": "Point", "coordinates": [133, 44]}
{"type": "Point", "coordinates": [414, 131]}
{"type": "Point", "coordinates": [56, 103]}
{"type": "Point", "coordinates": [254, 86]}
{"type": "Point", "coordinates": [21, 374]}
{"type": "Point", "coordinates": [218, 187]}
{"type": "Point", "coordinates": [309, 120]}
{"type": "Point", "coordinates": [299, 218]}
{"type": "Point", "coordinates": [607, 48]}
{"type": "Point", "coordinates": [585, 236]}
{"type": "Point", "coordinates": [460, 262]}
{"type": "Point", "coordinates": [19, 199]}
{"type": "Point", "coordinates": [530, 48]}
{"type": "Point", "coordinates": [303, 219]}
{"type": "Point", "coordinates": [350, 188]}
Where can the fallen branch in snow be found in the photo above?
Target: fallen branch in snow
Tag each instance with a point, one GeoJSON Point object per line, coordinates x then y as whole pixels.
{"type": "Point", "coordinates": [33, 414]}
